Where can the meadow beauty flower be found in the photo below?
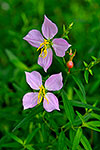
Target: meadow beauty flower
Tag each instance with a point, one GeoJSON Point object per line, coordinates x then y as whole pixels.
{"type": "Point", "coordinates": [35, 38]}
{"type": "Point", "coordinates": [50, 101]}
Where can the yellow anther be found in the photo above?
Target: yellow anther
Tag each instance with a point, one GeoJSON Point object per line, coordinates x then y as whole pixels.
{"type": "Point", "coordinates": [41, 95]}
{"type": "Point", "coordinates": [40, 46]}
{"type": "Point", "coordinates": [43, 47]}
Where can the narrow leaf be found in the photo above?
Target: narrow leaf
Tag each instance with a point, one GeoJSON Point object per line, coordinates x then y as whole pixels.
{"type": "Point", "coordinates": [94, 123]}
{"type": "Point", "coordinates": [80, 95]}
{"type": "Point", "coordinates": [68, 142]}
{"type": "Point", "coordinates": [80, 85]}
{"type": "Point", "coordinates": [77, 139]}
{"type": "Point", "coordinates": [68, 107]}
{"type": "Point", "coordinates": [14, 137]}
{"type": "Point", "coordinates": [30, 136]}
{"type": "Point", "coordinates": [85, 143]}
{"type": "Point", "coordinates": [80, 104]}
{"type": "Point", "coordinates": [90, 71]}
{"type": "Point", "coordinates": [94, 58]}
{"type": "Point", "coordinates": [86, 75]}
{"type": "Point", "coordinates": [10, 145]}
{"type": "Point", "coordinates": [80, 116]}
{"type": "Point", "coordinates": [94, 115]}
{"type": "Point", "coordinates": [85, 64]}
{"type": "Point", "coordinates": [71, 134]}
{"type": "Point", "coordinates": [29, 147]}
{"type": "Point", "coordinates": [61, 140]}
{"type": "Point", "coordinates": [91, 127]}
{"type": "Point", "coordinates": [16, 61]}
{"type": "Point", "coordinates": [34, 111]}
{"type": "Point", "coordinates": [77, 122]}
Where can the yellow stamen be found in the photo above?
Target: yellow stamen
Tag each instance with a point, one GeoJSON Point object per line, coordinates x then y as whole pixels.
{"type": "Point", "coordinates": [41, 95]}
{"type": "Point", "coordinates": [44, 48]}
{"type": "Point", "coordinates": [46, 100]}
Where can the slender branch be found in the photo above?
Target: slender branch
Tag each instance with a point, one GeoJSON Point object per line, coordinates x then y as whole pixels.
{"type": "Point", "coordinates": [47, 123]}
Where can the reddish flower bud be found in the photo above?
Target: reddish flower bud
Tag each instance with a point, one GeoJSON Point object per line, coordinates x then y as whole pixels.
{"type": "Point", "coordinates": [70, 54]}
{"type": "Point", "coordinates": [70, 64]}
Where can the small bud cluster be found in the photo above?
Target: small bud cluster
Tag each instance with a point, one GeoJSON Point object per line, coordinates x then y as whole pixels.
{"type": "Point", "coordinates": [70, 63]}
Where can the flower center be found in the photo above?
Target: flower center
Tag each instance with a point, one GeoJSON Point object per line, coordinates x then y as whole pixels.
{"type": "Point", "coordinates": [43, 46]}
{"type": "Point", "coordinates": [41, 95]}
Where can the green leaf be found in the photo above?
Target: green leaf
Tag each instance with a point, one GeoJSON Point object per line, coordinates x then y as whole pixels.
{"type": "Point", "coordinates": [68, 142]}
{"type": "Point", "coordinates": [66, 36]}
{"type": "Point", "coordinates": [80, 116]}
{"type": "Point", "coordinates": [85, 143]}
{"type": "Point", "coordinates": [14, 137]}
{"type": "Point", "coordinates": [80, 104]}
{"type": "Point", "coordinates": [94, 115]}
{"type": "Point", "coordinates": [85, 64]}
{"type": "Point", "coordinates": [10, 145]}
{"type": "Point", "coordinates": [80, 85]}
{"type": "Point", "coordinates": [90, 71]}
{"type": "Point", "coordinates": [68, 107]}
{"type": "Point", "coordinates": [71, 134]}
{"type": "Point", "coordinates": [70, 26]}
{"type": "Point", "coordinates": [2, 140]}
{"type": "Point", "coordinates": [61, 140]}
{"type": "Point", "coordinates": [33, 112]}
{"type": "Point", "coordinates": [16, 62]}
{"type": "Point", "coordinates": [86, 76]}
{"type": "Point", "coordinates": [64, 28]}
{"type": "Point", "coordinates": [77, 122]}
{"type": "Point", "coordinates": [94, 123]}
{"type": "Point", "coordinates": [30, 136]}
{"type": "Point", "coordinates": [65, 148]}
{"type": "Point", "coordinates": [91, 127]}
{"type": "Point", "coordinates": [29, 147]}
{"type": "Point", "coordinates": [80, 95]}
{"type": "Point", "coordinates": [94, 58]}
{"type": "Point", "coordinates": [66, 31]}
{"type": "Point", "coordinates": [77, 139]}
{"type": "Point", "coordinates": [79, 147]}
{"type": "Point", "coordinates": [95, 86]}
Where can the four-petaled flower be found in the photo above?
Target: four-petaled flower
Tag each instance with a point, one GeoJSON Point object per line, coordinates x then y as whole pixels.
{"type": "Point", "coordinates": [50, 101]}
{"type": "Point", "coordinates": [35, 38]}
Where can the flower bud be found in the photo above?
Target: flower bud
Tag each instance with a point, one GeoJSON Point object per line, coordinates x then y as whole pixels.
{"type": "Point", "coordinates": [70, 64]}
{"type": "Point", "coordinates": [70, 54]}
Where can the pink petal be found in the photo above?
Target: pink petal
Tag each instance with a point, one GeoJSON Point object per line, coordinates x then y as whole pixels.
{"type": "Point", "coordinates": [49, 29]}
{"type": "Point", "coordinates": [54, 82]}
{"type": "Point", "coordinates": [34, 37]}
{"type": "Point", "coordinates": [53, 102]}
{"type": "Point", "coordinates": [47, 61]}
{"type": "Point", "coordinates": [34, 79]}
{"type": "Point", "coordinates": [30, 100]}
{"type": "Point", "coordinates": [60, 46]}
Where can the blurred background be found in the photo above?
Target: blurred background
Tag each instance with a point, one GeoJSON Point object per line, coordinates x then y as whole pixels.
{"type": "Point", "coordinates": [17, 18]}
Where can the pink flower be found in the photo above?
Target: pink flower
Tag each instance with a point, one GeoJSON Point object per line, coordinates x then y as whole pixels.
{"type": "Point", "coordinates": [50, 101]}
{"type": "Point", "coordinates": [35, 38]}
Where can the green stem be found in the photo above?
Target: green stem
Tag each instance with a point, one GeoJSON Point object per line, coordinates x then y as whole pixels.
{"type": "Point", "coordinates": [47, 123]}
